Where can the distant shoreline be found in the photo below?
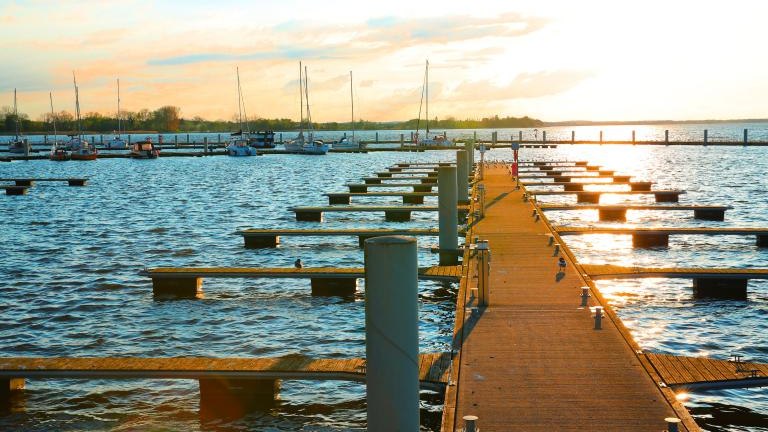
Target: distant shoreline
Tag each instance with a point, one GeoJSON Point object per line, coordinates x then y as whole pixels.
{"type": "Point", "coordinates": [648, 122]}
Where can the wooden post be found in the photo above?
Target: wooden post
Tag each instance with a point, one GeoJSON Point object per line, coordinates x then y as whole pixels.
{"type": "Point", "coordinates": [474, 135]}
{"type": "Point", "coordinates": [633, 137]}
{"type": "Point", "coordinates": [218, 139]}
{"type": "Point", "coordinates": [746, 137]}
{"type": "Point", "coordinates": [187, 138]}
{"type": "Point", "coordinates": [462, 176]}
{"type": "Point", "coordinates": [176, 141]}
{"type": "Point", "coordinates": [601, 136]}
{"type": "Point", "coordinates": [706, 136]}
{"type": "Point", "coordinates": [666, 136]}
{"type": "Point", "coordinates": [392, 333]}
{"type": "Point", "coordinates": [493, 138]}
{"type": "Point", "coordinates": [377, 137]}
{"type": "Point", "coordinates": [543, 136]}
{"type": "Point", "coordinates": [402, 140]}
{"type": "Point", "coordinates": [573, 137]}
{"type": "Point", "coordinates": [205, 145]}
{"type": "Point", "coordinates": [520, 136]}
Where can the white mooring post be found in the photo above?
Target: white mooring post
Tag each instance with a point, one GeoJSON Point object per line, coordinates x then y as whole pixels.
{"type": "Point", "coordinates": [448, 214]}
{"type": "Point", "coordinates": [392, 333]}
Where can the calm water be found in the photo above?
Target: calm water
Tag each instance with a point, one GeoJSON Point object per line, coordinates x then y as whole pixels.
{"type": "Point", "coordinates": [72, 257]}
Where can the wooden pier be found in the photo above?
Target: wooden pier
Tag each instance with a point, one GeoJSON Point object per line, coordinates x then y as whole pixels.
{"type": "Point", "coordinates": [653, 237]}
{"type": "Point", "coordinates": [408, 197]}
{"type": "Point", "coordinates": [532, 360]}
{"type": "Point", "coordinates": [417, 187]}
{"type": "Point", "coordinates": [187, 282]}
{"type": "Point", "coordinates": [579, 186]}
{"type": "Point", "coordinates": [594, 196]}
{"type": "Point", "coordinates": [269, 238]}
{"type": "Point", "coordinates": [391, 213]}
{"type": "Point", "coordinates": [72, 181]}
{"type": "Point", "coordinates": [619, 212]}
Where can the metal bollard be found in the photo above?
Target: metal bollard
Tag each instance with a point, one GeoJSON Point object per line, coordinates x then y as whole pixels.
{"type": "Point", "coordinates": [598, 318]}
{"type": "Point", "coordinates": [557, 249]}
{"type": "Point", "coordinates": [584, 296]}
{"type": "Point", "coordinates": [551, 240]}
{"type": "Point", "coordinates": [533, 213]}
{"type": "Point", "coordinates": [672, 424]}
{"type": "Point", "coordinates": [470, 423]}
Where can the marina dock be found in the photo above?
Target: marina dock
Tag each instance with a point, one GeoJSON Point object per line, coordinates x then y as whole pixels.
{"type": "Point", "coordinates": [267, 238]}
{"type": "Point", "coordinates": [532, 359]}
{"type": "Point", "coordinates": [650, 237]}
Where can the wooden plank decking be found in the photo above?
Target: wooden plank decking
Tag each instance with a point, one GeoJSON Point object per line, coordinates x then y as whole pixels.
{"type": "Point", "coordinates": [433, 368]}
{"type": "Point", "coordinates": [437, 273]}
{"type": "Point", "coordinates": [532, 360]}
{"type": "Point", "coordinates": [568, 230]}
{"type": "Point", "coordinates": [702, 373]}
{"type": "Point", "coordinates": [607, 271]}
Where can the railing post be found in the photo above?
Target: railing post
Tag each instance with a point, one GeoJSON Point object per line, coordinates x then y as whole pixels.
{"type": "Point", "coordinates": [392, 333]}
{"type": "Point", "coordinates": [205, 145]}
{"type": "Point", "coordinates": [484, 267]}
{"type": "Point", "coordinates": [448, 214]}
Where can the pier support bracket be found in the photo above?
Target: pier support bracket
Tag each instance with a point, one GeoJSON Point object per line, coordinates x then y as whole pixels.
{"type": "Point", "coordinates": [333, 286]}
{"type": "Point", "coordinates": [309, 216]}
{"type": "Point", "coordinates": [261, 241]}
{"type": "Point", "coordinates": [641, 240]}
{"type": "Point", "coordinates": [574, 187]}
{"type": "Point", "coordinates": [397, 215]}
{"type": "Point", "coordinates": [16, 190]}
{"type": "Point", "coordinates": [9, 387]}
{"type": "Point", "coordinates": [24, 182]}
{"type": "Point", "coordinates": [233, 398]}
{"type": "Point", "coordinates": [667, 197]}
{"type": "Point", "coordinates": [339, 199]}
{"type": "Point", "coordinates": [422, 188]}
{"type": "Point", "coordinates": [712, 214]}
{"type": "Point", "coordinates": [177, 287]}
{"type": "Point", "coordinates": [609, 214]}
{"type": "Point", "coordinates": [640, 186]}
{"type": "Point", "coordinates": [589, 197]}
{"type": "Point", "coordinates": [372, 181]}
{"type": "Point", "coordinates": [358, 189]}
{"type": "Point", "coordinates": [733, 289]}
{"type": "Point", "coordinates": [413, 199]}
{"type": "Point", "coordinates": [762, 240]}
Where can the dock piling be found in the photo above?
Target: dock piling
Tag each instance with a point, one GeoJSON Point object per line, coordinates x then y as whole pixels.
{"type": "Point", "coordinates": [392, 333]}
{"type": "Point", "coordinates": [448, 215]}
{"type": "Point", "coordinates": [672, 424]}
{"type": "Point", "coordinates": [259, 242]}
{"type": "Point", "coordinates": [233, 398]}
{"type": "Point", "coordinates": [333, 286]}
{"type": "Point", "coordinates": [462, 176]}
{"type": "Point", "coordinates": [177, 287]}
{"type": "Point", "coordinates": [733, 288]}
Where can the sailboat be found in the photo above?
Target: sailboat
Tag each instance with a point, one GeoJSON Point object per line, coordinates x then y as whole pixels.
{"type": "Point", "coordinates": [117, 142]}
{"type": "Point", "coordinates": [436, 140]}
{"type": "Point", "coordinates": [19, 144]}
{"type": "Point", "coordinates": [349, 143]}
{"type": "Point", "coordinates": [59, 152]}
{"type": "Point", "coordinates": [81, 149]}
{"type": "Point", "coordinates": [238, 141]}
{"type": "Point", "coordinates": [305, 144]}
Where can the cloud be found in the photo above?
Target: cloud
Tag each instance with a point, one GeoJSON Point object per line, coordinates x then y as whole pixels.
{"type": "Point", "coordinates": [525, 85]}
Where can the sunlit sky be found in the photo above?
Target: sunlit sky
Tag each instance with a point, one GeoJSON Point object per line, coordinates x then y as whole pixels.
{"type": "Point", "coordinates": [553, 60]}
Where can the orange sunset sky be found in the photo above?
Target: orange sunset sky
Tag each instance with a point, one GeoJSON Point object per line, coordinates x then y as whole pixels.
{"type": "Point", "coordinates": [553, 60]}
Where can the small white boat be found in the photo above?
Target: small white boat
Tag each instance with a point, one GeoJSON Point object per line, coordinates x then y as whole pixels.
{"type": "Point", "coordinates": [425, 141]}
{"type": "Point", "coordinates": [239, 143]}
{"type": "Point", "coordinates": [352, 143]}
{"type": "Point", "coordinates": [117, 142]}
{"type": "Point", "coordinates": [305, 144]}
{"type": "Point", "coordinates": [80, 148]}
{"type": "Point", "coordinates": [59, 151]}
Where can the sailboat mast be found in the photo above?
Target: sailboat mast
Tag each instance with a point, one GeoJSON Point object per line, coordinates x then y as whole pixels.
{"type": "Point", "coordinates": [426, 83]}
{"type": "Point", "coordinates": [77, 106]}
{"type": "Point", "coordinates": [118, 108]}
{"type": "Point", "coordinates": [53, 120]}
{"type": "Point", "coordinates": [301, 100]}
{"type": "Point", "coordinates": [306, 97]}
{"type": "Point", "coordinates": [16, 114]}
{"type": "Point", "coordinates": [239, 101]}
{"type": "Point", "coordinates": [352, 99]}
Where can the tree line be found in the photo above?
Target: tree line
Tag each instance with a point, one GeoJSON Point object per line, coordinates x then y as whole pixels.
{"type": "Point", "coordinates": [167, 119]}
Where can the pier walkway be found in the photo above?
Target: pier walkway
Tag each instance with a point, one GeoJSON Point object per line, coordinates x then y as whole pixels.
{"type": "Point", "coordinates": [532, 360]}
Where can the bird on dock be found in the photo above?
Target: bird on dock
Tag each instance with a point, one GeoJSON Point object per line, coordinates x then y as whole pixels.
{"type": "Point", "coordinates": [298, 263]}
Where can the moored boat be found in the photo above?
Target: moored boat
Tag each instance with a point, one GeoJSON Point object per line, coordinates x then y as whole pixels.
{"type": "Point", "coordinates": [305, 144]}
{"type": "Point", "coordinates": [19, 144]}
{"type": "Point", "coordinates": [438, 140]}
{"type": "Point", "coordinates": [262, 139]}
{"type": "Point", "coordinates": [79, 147]}
{"type": "Point", "coordinates": [238, 142]}
{"type": "Point", "coordinates": [117, 142]}
{"type": "Point", "coordinates": [349, 143]}
{"type": "Point", "coordinates": [144, 149]}
{"type": "Point", "coordinates": [59, 151]}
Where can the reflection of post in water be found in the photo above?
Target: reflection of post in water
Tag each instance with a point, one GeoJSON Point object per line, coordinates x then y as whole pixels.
{"type": "Point", "coordinates": [231, 398]}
